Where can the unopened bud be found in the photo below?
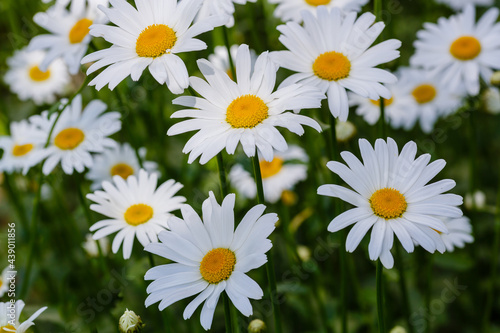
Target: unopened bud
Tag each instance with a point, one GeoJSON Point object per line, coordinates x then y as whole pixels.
{"type": "Point", "coordinates": [289, 198]}
{"type": "Point", "coordinates": [495, 78]}
{"type": "Point", "coordinates": [90, 246]}
{"type": "Point", "coordinates": [398, 329]}
{"type": "Point", "coordinates": [345, 130]}
{"type": "Point", "coordinates": [130, 322]}
{"type": "Point", "coordinates": [257, 326]}
{"type": "Point", "coordinates": [476, 200]}
{"type": "Point", "coordinates": [304, 253]}
{"type": "Point", "coordinates": [491, 100]}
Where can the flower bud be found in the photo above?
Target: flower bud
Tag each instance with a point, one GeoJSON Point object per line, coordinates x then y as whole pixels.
{"type": "Point", "coordinates": [289, 198]}
{"type": "Point", "coordinates": [90, 246]}
{"type": "Point", "coordinates": [345, 130]}
{"type": "Point", "coordinates": [130, 322]}
{"type": "Point", "coordinates": [476, 200]}
{"type": "Point", "coordinates": [257, 326]}
{"type": "Point", "coordinates": [491, 100]}
{"type": "Point", "coordinates": [495, 78]}
{"type": "Point", "coordinates": [398, 329]}
{"type": "Point", "coordinates": [304, 253]}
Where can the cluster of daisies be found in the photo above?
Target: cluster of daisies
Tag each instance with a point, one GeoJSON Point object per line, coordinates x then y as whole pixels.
{"type": "Point", "coordinates": [330, 50]}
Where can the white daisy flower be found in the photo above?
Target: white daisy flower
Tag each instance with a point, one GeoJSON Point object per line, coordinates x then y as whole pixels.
{"type": "Point", "coordinates": [460, 50]}
{"type": "Point", "coordinates": [460, 4]}
{"type": "Point", "coordinates": [220, 58]}
{"type": "Point", "coordinates": [68, 36]}
{"type": "Point", "coordinates": [247, 111]}
{"type": "Point", "coordinates": [28, 81]}
{"type": "Point", "coordinates": [390, 194]}
{"type": "Point", "coordinates": [459, 233]}
{"type": "Point", "coordinates": [4, 281]}
{"type": "Point", "coordinates": [78, 133]}
{"type": "Point", "coordinates": [117, 161]}
{"type": "Point", "coordinates": [223, 8]}
{"type": "Point", "coordinates": [24, 148]}
{"type": "Point", "coordinates": [5, 317]}
{"type": "Point", "coordinates": [332, 52]}
{"type": "Point", "coordinates": [281, 174]}
{"type": "Point", "coordinates": [210, 257]}
{"type": "Point", "coordinates": [150, 36]}
{"type": "Point", "coordinates": [290, 10]}
{"type": "Point", "coordinates": [135, 208]}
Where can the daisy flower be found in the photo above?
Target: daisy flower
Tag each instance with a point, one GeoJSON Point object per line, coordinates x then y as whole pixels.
{"type": "Point", "coordinates": [120, 160]}
{"type": "Point", "coordinates": [290, 10]}
{"type": "Point", "coordinates": [4, 280]}
{"type": "Point", "coordinates": [460, 50]}
{"type": "Point", "coordinates": [247, 111]}
{"type": "Point", "coordinates": [460, 4]}
{"type": "Point", "coordinates": [281, 174]}
{"type": "Point", "coordinates": [68, 36]}
{"type": "Point", "coordinates": [24, 148]}
{"type": "Point", "coordinates": [28, 81]}
{"type": "Point", "coordinates": [210, 257]}
{"type": "Point", "coordinates": [390, 196]}
{"type": "Point", "coordinates": [220, 58]}
{"type": "Point", "coordinates": [150, 36]}
{"type": "Point", "coordinates": [135, 208]}
{"type": "Point", "coordinates": [332, 52]}
{"type": "Point", "coordinates": [223, 8]}
{"type": "Point", "coordinates": [459, 233]}
{"type": "Point", "coordinates": [78, 133]}
{"type": "Point", "coordinates": [5, 317]}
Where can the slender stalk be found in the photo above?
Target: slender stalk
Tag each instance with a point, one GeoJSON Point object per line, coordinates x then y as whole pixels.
{"type": "Point", "coordinates": [428, 288]}
{"type": "Point", "coordinates": [493, 270]}
{"type": "Point", "coordinates": [377, 9]}
{"type": "Point", "coordinates": [16, 202]}
{"type": "Point", "coordinates": [271, 276]}
{"type": "Point", "coordinates": [473, 152]}
{"type": "Point", "coordinates": [227, 314]}
{"type": "Point", "coordinates": [225, 31]}
{"type": "Point", "coordinates": [382, 123]}
{"type": "Point", "coordinates": [222, 175]}
{"type": "Point", "coordinates": [380, 298]}
{"type": "Point", "coordinates": [403, 287]}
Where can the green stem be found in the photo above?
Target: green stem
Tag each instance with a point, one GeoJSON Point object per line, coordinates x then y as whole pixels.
{"type": "Point", "coordinates": [428, 288]}
{"type": "Point", "coordinates": [227, 314]}
{"type": "Point", "coordinates": [225, 31]}
{"type": "Point", "coordinates": [404, 288]}
{"type": "Point", "coordinates": [16, 202]}
{"type": "Point", "coordinates": [222, 176]}
{"type": "Point", "coordinates": [380, 298]}
{"type": "Point", "coordinates": [271, 276]}
{"type": "Point", "coordinates": [382, 123]}
{"type": "Point", "coordinates": [472, 153]}
{"type": "Point", "coordinates": [377, 9]}
{"type": "Point", "coordinates": [493, 269]}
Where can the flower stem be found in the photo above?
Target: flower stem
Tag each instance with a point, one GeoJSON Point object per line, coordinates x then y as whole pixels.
{"type": "Point", "coordinates": [404, 288]}
{"type": "Point", "coordinates": [225, 31]}
{"type": "Point", "coordinates": [222, 175]}
{"type": "Point", "coordinates": [380, 298]}
{"type": "Point", "coordinates": [493, 270]}
{"type": "Point", "coordinates": [16, 202]}
{"type": "Point", "coordinates": [227, 314]}
{"type": "Point", "coordinates": [472, 152]}
{"type": "Point", "coordinates": [271, 276]}
{"type": "Point", "coordinates": [428, 288]}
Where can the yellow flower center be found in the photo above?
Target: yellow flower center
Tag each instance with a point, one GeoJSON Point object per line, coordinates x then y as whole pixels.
{"type": "Point", "coordinates": [388, 203]}
{"type": "Point", "coordinates": [122, 169]}
{"type": "Point", "coordinates": [37, 75]}
{"type": "Point", "coordinates": [246, 111]}
{"type": "Point", "coordinates": [155, 40]}
{"type": "Point", "coordinates": [9, 327]}
{"type": "Point", "coordinates": [289, 198]}
{"type": "Point", "coordinates": [424, 93]}
{"type": "Point", "coordinates": [332, 66]}
{"type": "Point", "coordinates": [465, 48]}
{"type": "Point", "coordinates": [318, 2]}
{"type": "Point", "coordinates": [217, 265]}
{"type": "Point", "coordinates": [387, 102]}
{"type": "Point", "coordinates": [138, 214]}
{"type": "Point", "coordinates": [69, 138]}
{"type": "Point", "coordinates": [79, 31]}
{"type": "Point", "coordinates": [268, 169]}
{"type": "Point", "coordinates": [21, 150]}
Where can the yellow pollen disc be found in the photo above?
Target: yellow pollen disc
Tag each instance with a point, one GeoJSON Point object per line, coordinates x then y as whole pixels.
{"type": "Point", "coordinates": [424, 93]}
{"type": "Point", "coordinates": [217, 265]}
{"type": "Point", "coordinates": [332, 66]}
{"type": "Point", "coordinates": [79, 31]}
{"type": "Point", "coordinates": [122, 169]}
{"type": "Point", "coordinates": [465, 48]}
{"type": "Point", "coordinates": [9, 327]}
{"type": "Point", "coordinates": [268, 169]}
{"type": "Point", "coordinates": [21, 150]}
{"type": "Point", "coordinates": [69, 138]}
{"type": "Point", "coordinates": [388, 203]}
{"type": "Point", "coordinates": [246, 111]}
{"type": "Point", "coordinates": [138, 214]}
{"type": "Point", "coordinates": [37, 75]}
{"type": "Point", "coordinates": [155, 40]}
{"type": "Point", "coordinates": [318, 2]}
{"type": "Point", "coordinates": [387, 102]}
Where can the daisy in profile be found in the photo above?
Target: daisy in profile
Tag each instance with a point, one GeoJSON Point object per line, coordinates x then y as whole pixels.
{"type": "Point", "coordinates": [78, 133]}
{"type": "Point", "coordinates": [135, 208]}
{"type": "Point", "coordinates": [150, 36]}
{"type": "Point", "coordinates": [5, 326]}
{"type": "Point", "coordinates": [460, 50]}
{"type": "Point", "coordinates": [68, 29]}
{"type": "Point", "coordinates": [332, 52]}
{"type": "Point", "coordinates": [247, 111]}
{"type": "Point", "coordinates": [210, 257]}
{"type": "Point", "coordinates": [29, 82]}
{"type": "Point", "coordinates": [290, 10]}
{"type": "Point", "coordinates": [220, 58]}
{"type": "Point", "coordinates": [24, 148]}
{"type": "Point", "coordinates": [120, 160]}
{"type": "Point", "coordinates": [460, 4]}
{"type": "Point", "coordinates": [459, 233]}
{"type": "Point", "coordinates": [281, 174]}
{"type": "Point", "coordinates": [391, 195]}
{"type": "Point", "coordinates": [223, 8]}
